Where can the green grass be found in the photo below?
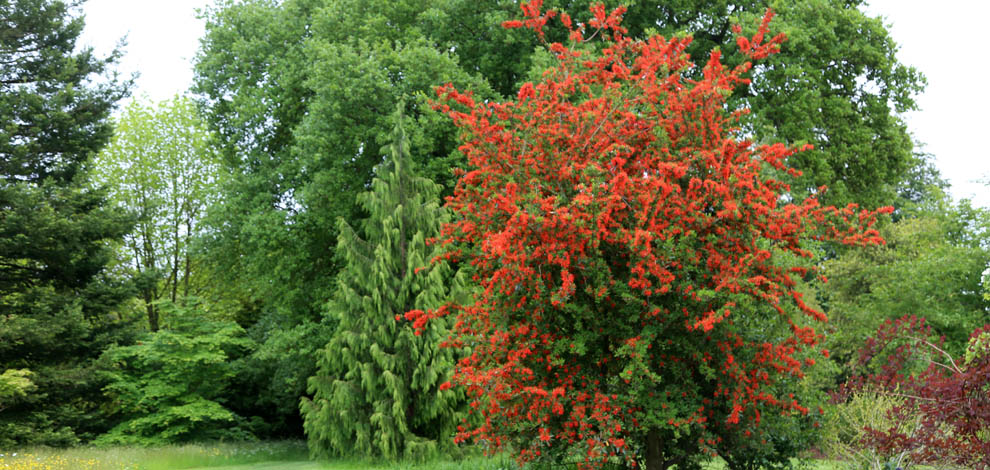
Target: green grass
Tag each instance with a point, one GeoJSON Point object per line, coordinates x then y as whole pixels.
{"type": "Point", "coordinates": [291, 455]}
{"type": "Point", "coordinates": [478, 463]}
{"type": "Point", "coordinates": [152, 458]}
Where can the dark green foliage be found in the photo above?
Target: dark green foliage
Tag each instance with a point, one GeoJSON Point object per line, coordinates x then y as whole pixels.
{"type": "Point", "coordinates": [53, 236]}
{"type": "Point", "coordinates": [377, 389]}
{"type": "Point", "coordinates": [59, 346]}
{"type": "Point", "coordinates": [53, 118]}
{"type": "Point", "coordinates": [268, 382]}
{"type": "Point", "coordinates": [169, 386]}
{"type": "Point", "coordinates": [56, 298]}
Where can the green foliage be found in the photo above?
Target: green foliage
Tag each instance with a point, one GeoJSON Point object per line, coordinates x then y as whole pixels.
{"type": "Point", "coordinates": [57, 300]}
{"type": "Point", "coordinates": [299, 94]}
{"type": "Point", "coordinates": [59, 345]}
{"type": "Point", "coordinates": [15, 384]}
{"type": "Point", "coordinates": [169, 386]}
{"type": "Point", "coordinates": [932, 266]}
{"type": "Point", "coordinates": [377, 391]}
{"type": "Point", "coordinates": [53, 116]}
{"type": "Point", "coordinates": [268, 382]}
{"type": "Point", "coordinates": [838, 85]}
{"type": "Point", "coordinates": [159, 167]}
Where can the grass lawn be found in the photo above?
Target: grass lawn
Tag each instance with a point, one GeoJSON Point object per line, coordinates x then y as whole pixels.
{"type": "Point", "coordinates": [241, 456]}
{"type": "Point", "coordinates": [271, 466]}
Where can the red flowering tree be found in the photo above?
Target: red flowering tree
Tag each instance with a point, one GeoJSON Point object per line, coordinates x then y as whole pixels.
{"type": "Point", "coordinates": [946, 399]}
{"type": "Point", "coordinates": [637, 263]}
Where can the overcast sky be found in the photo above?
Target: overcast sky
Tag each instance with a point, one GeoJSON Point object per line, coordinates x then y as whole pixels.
{"type": "Point", "coordinates": [942, 39]}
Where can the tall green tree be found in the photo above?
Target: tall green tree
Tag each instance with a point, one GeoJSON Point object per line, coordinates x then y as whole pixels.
{"type": "Point", "coordinates": [377, 392]}
{"type": "Point", "coordinates": [56, 297]}
{"type": "Point", "coordinates": [160, 166]}
{"type": "Point", "coordinates": [299, 94]}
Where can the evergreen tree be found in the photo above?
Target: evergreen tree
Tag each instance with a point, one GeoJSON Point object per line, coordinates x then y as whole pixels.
{"type": "Point", "coordinates": [55, 294]}
{"type": "Point", "coordinates": [377, 391]}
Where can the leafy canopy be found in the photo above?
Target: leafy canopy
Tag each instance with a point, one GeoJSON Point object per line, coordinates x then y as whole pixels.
{"type": "Point", "coordinates": [160, 168]}
{"type": "Point", "coordinates": [169, 387]}
{"type": "Point", "coordinates": [634, 255]}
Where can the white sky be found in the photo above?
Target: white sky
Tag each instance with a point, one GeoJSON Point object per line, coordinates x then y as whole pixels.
{"type": "Point", "coordinates": [943, 40]}
{"type": "Point", "coordinates": [162, 39]}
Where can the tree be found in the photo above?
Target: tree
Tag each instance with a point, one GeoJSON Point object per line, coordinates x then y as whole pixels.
{"type": "Point", "coordinates": [169, 387]}
{"type": "Point", "coordinates": [298, 94]}
{"type": "Point", "coordinates": [377, 392]}
{"type": "Point", "coordinates": [940, 251]}
{"type": "Point", "coordinates": [636, 263]}
{"type": "Point", "coordinates": [56, 298]}
{"type": "Point", "coordinates": [298, 129]}
{"type": "Point", "coordinates": [159, 166]}
{"type": "Point", "coordinates": [838, 85]}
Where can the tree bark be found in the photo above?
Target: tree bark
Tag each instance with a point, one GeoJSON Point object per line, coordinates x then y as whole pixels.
{"type": "Point", "coordinates": [152, 311]}
{"type": "Point", "coordinates": [654, 454]}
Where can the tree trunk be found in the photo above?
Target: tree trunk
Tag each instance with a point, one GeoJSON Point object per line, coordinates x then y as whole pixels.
{"type": "Point", "coordinates": [185, 277]}
{"type": "Point", "coordinates": [654, 454]}
{"type": "Point", "coordinates": [149, 303]}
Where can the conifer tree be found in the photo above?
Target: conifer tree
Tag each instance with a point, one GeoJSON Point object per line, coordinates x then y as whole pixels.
{"type": "Point", "coordinates": [377, 390]}
{"type": "Point", "coordinates": [57, 294]}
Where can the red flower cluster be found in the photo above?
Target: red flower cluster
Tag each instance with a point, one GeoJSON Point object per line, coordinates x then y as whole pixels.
{"type": "Point", "coordinates": [616, 223]}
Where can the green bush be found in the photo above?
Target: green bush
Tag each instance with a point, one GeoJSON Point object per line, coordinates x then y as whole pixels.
{"type": "Point", "coordinates": [169, 387]}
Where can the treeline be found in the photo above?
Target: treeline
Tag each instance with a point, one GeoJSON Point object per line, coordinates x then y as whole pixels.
{"type": "Point", "coordinates": [232, 263]}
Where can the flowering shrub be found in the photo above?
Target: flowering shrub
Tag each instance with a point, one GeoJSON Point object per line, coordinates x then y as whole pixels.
{"type": "Point", "coordinates": [636, 262]}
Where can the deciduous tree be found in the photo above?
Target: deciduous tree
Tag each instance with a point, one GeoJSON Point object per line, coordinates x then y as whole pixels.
{"type": "Point", "coordinates": [160, 167]}
{"type": "Point", "coordinates": [932, 265]}
{"type": "Point", "coordinates": [170, 386]}
{"type": "Point", "coordinates": [636, 259]}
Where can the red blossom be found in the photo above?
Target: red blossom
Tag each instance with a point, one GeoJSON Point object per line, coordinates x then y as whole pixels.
{"type": "Point", "coordinates": [614, 223]}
